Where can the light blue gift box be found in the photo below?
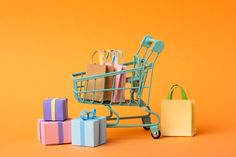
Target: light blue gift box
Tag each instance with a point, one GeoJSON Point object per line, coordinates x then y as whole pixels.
{"type": "Point", "coordinates": [88, 130]}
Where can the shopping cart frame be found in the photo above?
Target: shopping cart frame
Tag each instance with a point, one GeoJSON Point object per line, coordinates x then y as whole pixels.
{"type": "Point", "coordinates": [141, 66]}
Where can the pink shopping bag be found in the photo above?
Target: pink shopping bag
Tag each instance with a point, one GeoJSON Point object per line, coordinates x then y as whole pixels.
{"type": "Point", "coordinates": [111, 60]}
{"type": "Point", "coordinates": [119, 94]}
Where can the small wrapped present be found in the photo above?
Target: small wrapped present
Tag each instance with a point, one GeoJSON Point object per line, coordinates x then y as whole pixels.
{"type": "Point", "coordinates": [55, 109]}
{"type": "Point", "coordinates": [54, 132]}
{"type": "Point", "coordinates": [88, 130]}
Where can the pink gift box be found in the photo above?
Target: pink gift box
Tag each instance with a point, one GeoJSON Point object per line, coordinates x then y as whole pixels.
{"type": "Point", "coordinates": [54, 132]}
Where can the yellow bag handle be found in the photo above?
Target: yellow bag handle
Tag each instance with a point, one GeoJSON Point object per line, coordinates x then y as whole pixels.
{"type": "Point", "coordinates": [102, 54]}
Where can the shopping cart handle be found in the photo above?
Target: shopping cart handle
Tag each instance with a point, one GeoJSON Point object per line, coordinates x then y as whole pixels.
{"type": "Point", "coordinates": [158, 45]}
{"type": "Point", "coordinates": [147, 41]}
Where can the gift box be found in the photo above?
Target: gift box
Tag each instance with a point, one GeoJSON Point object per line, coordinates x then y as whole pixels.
{"type": "Point", "coordinates": [55, 109]}
{"type": "Point", "coordinates": [54, 132]}
{"type": "Point", "coordinates": [88, 130]}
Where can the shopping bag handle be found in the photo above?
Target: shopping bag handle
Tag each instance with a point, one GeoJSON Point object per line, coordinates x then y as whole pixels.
{"type": "Point", "coordinates": [115, 56]}
{"type": "Point", "coordinates": [102, 54]}
{"type": "Point", "coordinates": [183, 93]}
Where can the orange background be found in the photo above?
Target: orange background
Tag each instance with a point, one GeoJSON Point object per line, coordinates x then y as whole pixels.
{"type": "Point", "coordinates": [42, 42]}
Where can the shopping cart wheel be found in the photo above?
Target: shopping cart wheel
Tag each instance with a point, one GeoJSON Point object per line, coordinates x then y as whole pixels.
{"type": "Point", "coordinates": [156, 135]}
{"type": "Point", "coordinates": [146, 120]}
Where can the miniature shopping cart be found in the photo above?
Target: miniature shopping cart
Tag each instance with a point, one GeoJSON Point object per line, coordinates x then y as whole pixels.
{"type": "Point", "coordinates": [138, 81]}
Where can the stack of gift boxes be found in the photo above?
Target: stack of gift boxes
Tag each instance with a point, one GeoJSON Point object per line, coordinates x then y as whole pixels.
{"type": "Point", "coordinates": [57, 128]}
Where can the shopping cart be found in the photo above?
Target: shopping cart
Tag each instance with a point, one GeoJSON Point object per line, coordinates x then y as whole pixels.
{"type": "Point", "coordinates": [135, 84]}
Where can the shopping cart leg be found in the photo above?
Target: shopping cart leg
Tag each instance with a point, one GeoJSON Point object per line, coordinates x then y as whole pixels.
{"type": "Point", "coordinates": [147, 119]}
{"type": "Point", "coordinates": [153, 127]}
{"type": "Point", "coordinates": [110, 116]}
{"type": "Point", "coordinates": [116, 115]}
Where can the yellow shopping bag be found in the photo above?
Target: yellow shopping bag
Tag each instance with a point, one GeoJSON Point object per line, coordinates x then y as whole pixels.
{"type": "Point", "coordinates": [177, 116]}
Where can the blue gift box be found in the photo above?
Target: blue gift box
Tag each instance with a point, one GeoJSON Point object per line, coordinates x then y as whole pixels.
{"type": "Point", "coordinates": [88, 130]}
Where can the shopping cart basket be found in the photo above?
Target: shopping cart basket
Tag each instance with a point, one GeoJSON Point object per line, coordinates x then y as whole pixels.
{"type": "Point", "coordinates": [136, 84]}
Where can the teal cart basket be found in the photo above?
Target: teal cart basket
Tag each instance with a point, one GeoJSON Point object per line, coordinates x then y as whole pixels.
{"type": "Point", "coordinates": [137, 87]}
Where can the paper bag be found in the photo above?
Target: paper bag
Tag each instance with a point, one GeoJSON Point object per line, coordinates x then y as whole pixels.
{"type": "Point", "coordinates": [177, 116]}
{"type": "Point", "coordinates": [101, 83]}
{"type": "Point", "coordinates": [119, 95]}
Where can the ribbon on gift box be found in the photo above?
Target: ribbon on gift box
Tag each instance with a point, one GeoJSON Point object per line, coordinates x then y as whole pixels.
{"type": "Point", "coordinates": [53, 108]}
{"type": "Point", "coordinates": [87, 115]}
{"type": "Point", "coordinates": [60, 131]}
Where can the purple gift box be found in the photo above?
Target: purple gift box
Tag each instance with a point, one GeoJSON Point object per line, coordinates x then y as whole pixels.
{"type": "Point", "coordinates": [55, 109]}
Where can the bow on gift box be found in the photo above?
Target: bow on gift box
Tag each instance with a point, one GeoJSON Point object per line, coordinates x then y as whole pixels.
{"type": "Point", "coordinates": [85, 115]}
